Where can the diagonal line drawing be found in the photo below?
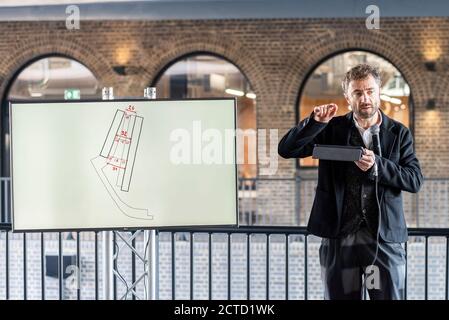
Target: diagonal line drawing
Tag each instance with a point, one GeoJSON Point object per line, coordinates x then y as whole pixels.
{"type": "Point", "coordinates": [115, 163]}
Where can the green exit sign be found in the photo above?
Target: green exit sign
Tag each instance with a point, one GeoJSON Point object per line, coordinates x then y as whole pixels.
{"type": "Point", "coordinates": [72, 94]}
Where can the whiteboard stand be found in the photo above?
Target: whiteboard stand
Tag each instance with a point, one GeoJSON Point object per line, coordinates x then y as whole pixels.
{"type": "Point", "coordinates": [107, 241]}
{"type": "Point", "coordinates": [150, 240]}
{"type": "Point", "coordinates": [111, 249]}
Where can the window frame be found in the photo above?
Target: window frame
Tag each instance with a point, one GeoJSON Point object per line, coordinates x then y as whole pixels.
{"type": "Point", "coordinates": [322, 60]}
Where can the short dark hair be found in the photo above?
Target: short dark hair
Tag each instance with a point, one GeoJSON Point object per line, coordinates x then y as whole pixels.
{"type": "Point", "coordinates": [360, 72]}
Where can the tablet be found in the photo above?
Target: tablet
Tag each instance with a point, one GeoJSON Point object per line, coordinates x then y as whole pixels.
{"type": "Point", "coordinates": [337, 152]}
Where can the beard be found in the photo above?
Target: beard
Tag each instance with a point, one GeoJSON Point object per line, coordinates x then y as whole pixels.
{"type": "Point", "coordinates": [366, 110]}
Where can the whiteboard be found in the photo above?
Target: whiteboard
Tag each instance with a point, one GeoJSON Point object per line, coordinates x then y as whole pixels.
{"type": "Point", "coordinates": [123, 164]}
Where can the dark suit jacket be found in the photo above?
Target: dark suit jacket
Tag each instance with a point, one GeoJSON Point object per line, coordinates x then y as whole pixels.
{"type": "Point", "coordinates": [398, 169]}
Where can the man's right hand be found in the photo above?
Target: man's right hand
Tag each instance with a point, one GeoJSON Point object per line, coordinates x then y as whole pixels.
{"type": "Point", "coordinates": [325, 112]}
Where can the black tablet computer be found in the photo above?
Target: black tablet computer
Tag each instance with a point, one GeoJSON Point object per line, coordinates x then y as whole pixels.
{"type": "Point", "coordinates": [337, 152]}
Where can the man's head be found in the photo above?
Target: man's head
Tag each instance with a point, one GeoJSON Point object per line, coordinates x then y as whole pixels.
{"type": "Point", "coordinates": [361, 88]}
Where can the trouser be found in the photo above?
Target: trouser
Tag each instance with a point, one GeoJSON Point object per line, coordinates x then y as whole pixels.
{"type": "Point", "coordinates": [346, 268]}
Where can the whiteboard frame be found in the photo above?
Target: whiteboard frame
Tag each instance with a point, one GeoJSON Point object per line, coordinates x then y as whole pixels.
{"type": "Point", "coordinates": [167, 227]}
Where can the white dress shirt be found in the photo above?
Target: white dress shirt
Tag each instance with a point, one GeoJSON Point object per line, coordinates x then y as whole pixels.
{"type": "Point", "coordinates": [368, 138]}
{"type": "Point", "coordinates": [366, 133]}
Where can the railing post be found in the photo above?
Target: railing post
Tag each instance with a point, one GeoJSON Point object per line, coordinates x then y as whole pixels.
{"type": "Point", "coordinates": [298, 198]}
{"type": "Point", "coordinates": [25, 295]}
{"type": "Point", "coordinates": [173, 265]}
{"type": "Point", "coordinates": [107, 239]}
{"type": "Point", "coordinates": [2, 199]}
{"type": "Point", "coordinates": [151, 237]}
{"type": "Point", "coordinates": [191, 265]}
{"type": "Point", "coordinates": [286, 265]}
{"type": "Point", "coordinates": [229, 266]}
{"type": "Point", "coordinates": [248, 266]}
{"type": "Point", "coordinates": [426, 268]}
{"type": "Point", "coordinates": [446, 287]}
{"type": "Point", "coordinates": [7, 264]}
{"type": "Point", "coordinates": [60, 267]}
{"type": "Point", "coordinates": [42, 267]}
{"type": "Point", "coordinates": [406, 270]}
{"type": "Point", "coordinates": [210, 264]}
{"type": "Point", "coordinates": [267, 266]}
{"type": "Point", "coordinates": [305, 268]}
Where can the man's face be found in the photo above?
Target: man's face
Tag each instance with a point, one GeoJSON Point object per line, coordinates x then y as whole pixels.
{"type": "Point", "coordinates": [364, 97]}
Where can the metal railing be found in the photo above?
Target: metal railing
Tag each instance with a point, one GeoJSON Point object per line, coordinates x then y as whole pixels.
{"type": "Point", "coordinates": [289, 236]}
{"type": "Point", "coordinates": [27, 274]}
{"type": "Point", "coordinates": [287, 233]}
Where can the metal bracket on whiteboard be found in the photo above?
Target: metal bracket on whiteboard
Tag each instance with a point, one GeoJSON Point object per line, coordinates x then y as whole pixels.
{"type": "Point", "coordinates": [148, 257]}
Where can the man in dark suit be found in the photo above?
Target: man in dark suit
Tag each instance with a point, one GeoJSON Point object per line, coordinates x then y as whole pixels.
{"type": "Point", "coordinates": [361, 222]}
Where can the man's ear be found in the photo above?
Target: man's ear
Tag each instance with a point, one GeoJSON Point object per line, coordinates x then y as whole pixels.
{"type": "Point", "coordinates": [347, 98]}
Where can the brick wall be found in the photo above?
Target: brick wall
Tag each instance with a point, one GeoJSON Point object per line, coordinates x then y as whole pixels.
{"type": "Point", "coordinates": [275, 55]}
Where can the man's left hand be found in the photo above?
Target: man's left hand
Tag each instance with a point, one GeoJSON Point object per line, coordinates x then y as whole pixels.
{"type": "Point", "coordinates": [367, 160]}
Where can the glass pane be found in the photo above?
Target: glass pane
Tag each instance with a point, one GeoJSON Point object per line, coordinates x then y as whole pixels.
{"type": "Point", "coordinates": [207, 76]}
{"type": "Point", "coordinates": [324, 86]}
{"type": "Point", "coordinates": [47, 79]}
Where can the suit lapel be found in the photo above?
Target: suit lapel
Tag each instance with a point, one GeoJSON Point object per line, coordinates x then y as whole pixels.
{"type": "Point", "coordinates": [349, 123]}
{"type": "Point", "coordinates": [342, 136]}
{"type": "Point", "coordinates": [387, 139]}
{"type": "Point", "coordinates": [386, 136]}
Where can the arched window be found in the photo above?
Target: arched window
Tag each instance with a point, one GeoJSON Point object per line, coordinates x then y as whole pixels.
{"type": "Point", "coordinates": [208, 76]}
{"type": "Point", "coordinates": [324, 86]}
{"type": "Point", "coordinates": [49, 78]}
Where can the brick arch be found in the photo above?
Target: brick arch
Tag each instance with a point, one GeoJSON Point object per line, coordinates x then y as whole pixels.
{"type": "Point", "coordinates": [29, 51]}
{"type": "Point", "coordinates": [300, 67]}
{"type": "Point", "coordinates": [168, 52]}
{"type": "Point", "coordinates": [442, 90]}
{"type": "Point", "coordinates": [440, 81]}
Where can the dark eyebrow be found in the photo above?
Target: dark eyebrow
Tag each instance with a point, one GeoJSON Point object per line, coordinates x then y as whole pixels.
{"type": "Point", "coordinates": [358, 90]}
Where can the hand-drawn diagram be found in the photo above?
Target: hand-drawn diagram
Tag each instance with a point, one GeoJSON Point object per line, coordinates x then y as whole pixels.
{"type": "Point", "coordinates": [115, 163]}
